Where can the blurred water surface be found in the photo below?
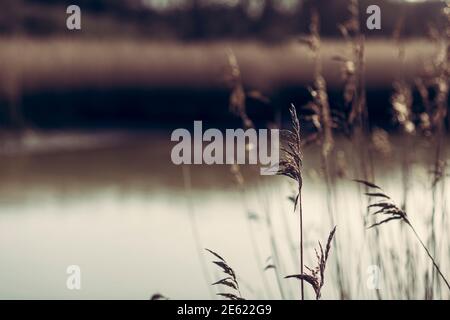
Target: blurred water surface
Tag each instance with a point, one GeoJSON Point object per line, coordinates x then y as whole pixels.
{"type": "Point", "coordinates": [116, 206]}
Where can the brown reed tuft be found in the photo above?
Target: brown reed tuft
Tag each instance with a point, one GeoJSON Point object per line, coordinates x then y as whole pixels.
{"type": "Point", "coordinates": [237, 99]}
{"type": "Point", "coordinates": [229, 281]}
{"type": "Point", "coordinates": [352, 69]}
{"type": "Point", "coordinates": [391, 211]}
{"type": "Point", "coordinates": [158, 296]}
{"type": "Point", "coordinates": [385, 206]}
{"type": "Point", "coordinates": [381, 142]}
{"type": "Point", "coordinates": [319, 107]}
{"type": "Point", "coordinates": [316, 276]}
{"type": "Point", "coordinates": [401, 101]}
{"type": "Point", "coordinates": [291, 166]}
{"type": "Point", "coordinates": [291, 160]}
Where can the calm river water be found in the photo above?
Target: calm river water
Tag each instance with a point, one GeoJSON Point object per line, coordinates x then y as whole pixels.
{"type": "Point", "coordinates": [113, 204]}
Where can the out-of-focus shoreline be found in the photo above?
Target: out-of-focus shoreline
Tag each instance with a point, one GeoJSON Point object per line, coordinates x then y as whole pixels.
{"type": "Point", "coordinates": [30, 65]}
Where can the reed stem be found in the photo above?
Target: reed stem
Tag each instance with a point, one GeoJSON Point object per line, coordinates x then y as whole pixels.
{"type": "Point", "coordinates": [302, 285]}
{"type": "Point", "coordinates": [429, 255]}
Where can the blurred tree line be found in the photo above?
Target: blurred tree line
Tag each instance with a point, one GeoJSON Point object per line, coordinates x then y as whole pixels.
{"type": "Point", "coordinates": [272, 20]}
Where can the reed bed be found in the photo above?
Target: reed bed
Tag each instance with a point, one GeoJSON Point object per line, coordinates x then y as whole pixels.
{"type": "Point", "coordinates": [420, 111]}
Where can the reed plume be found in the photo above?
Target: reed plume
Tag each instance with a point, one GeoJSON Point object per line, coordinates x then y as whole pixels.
{"type": "Point", "coordinates": [319, 106]}
{"type": "Point", "coordinates": [324, 121]}
{"type": "Point", "coordinates": [229, 281]}
{"type": "Point", "coordinates": [402, 100]}
{"type": "Point", "coordinates": [291, 167]}
{"type": "Point", "coordinates": [237, 100]}
{"type": "Point", "coordinates": [158, 296]}
{"type": "Point", "coordinates": [316, 276]}
{"type": "Point", "coordinates": [390, 212]}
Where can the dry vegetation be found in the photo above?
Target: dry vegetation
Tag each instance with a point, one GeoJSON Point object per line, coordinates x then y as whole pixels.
{"type": "Point", "coordinates": [419, 75]}
{"type": "Point", "coordinates": [377, 207]}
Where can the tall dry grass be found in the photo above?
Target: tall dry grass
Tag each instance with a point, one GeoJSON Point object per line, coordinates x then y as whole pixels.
{"type": "Point", "coordinates": [432, 89]}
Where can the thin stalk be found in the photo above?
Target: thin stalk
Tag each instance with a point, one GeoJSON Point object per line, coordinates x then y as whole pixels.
{"type": "Point", "coordinates": [254, 243]}
{"type": "Point", "coordinates": [429, 255]}
{"type": "Point", "coordinates": [194, 228]}
{"type": "Point", "coordinates": [436, 178]}
{"type": "Point", "coordinates": [302, 286]}
{"type": "Point", "coordinates": [366, 159]}
{"type": "Point", "coordinates": [330, 204]}
{"type": "Point", "coordinates": [275, 255]}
